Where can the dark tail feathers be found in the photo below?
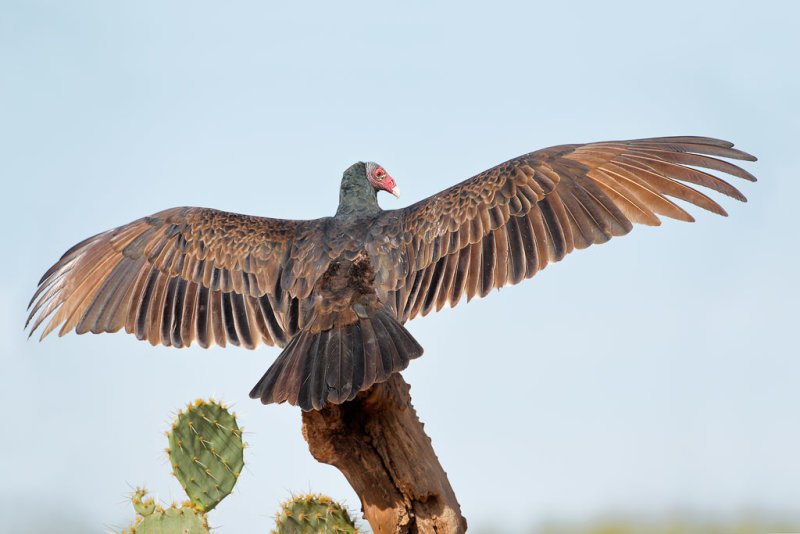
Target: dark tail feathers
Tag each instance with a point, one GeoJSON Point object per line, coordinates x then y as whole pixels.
{"type": "Point", "coordinates": [334, 365]}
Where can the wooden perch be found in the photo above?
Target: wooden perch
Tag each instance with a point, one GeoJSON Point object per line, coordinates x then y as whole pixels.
{"type": "Point", "coordinates": [379, 444]}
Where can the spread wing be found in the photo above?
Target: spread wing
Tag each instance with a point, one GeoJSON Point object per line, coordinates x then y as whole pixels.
{"type": "Point", "coordinates": [184, 275]}
{"type": "Point", "coordinates": [507, 223]}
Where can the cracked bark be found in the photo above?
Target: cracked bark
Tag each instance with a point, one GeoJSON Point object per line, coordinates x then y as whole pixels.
{"type": "Point", "coordinates": [378, 443]}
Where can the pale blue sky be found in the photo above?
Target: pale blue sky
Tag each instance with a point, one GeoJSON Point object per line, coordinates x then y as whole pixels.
{"type": "Point", "coordinates": [654, 373]}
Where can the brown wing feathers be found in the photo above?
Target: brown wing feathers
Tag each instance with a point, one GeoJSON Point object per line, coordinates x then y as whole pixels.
{"type": "Point", "coordinates": [509, 222]}
{"type": "Point", "coordinates": [182, 275]}
{"type": "Point", "coordinates": [336, 291]}
{"type": "Point", "coordinates": [192, 274]}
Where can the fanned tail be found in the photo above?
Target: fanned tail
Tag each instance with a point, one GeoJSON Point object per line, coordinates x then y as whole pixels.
{"type": "Point", "coordinates": [335, 365]}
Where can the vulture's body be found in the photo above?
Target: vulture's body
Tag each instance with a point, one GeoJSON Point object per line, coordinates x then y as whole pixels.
{"type": "Point", "coordinates": [335, 292]}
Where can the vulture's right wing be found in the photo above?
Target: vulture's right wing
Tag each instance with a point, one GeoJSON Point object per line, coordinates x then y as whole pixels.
{"type": "Point", "coordinates": [510, 221]}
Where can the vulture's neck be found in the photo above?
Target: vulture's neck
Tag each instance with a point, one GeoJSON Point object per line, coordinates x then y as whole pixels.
{"type": "Point", "coordinates": [356, 195]}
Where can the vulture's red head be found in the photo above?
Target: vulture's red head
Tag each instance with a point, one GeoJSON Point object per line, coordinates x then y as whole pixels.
{"type": "Point", "coordinates": [380, 179]}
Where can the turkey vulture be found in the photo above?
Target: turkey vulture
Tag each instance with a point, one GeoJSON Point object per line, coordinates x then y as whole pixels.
{"type": "Point", "coordinates": [335, 292]}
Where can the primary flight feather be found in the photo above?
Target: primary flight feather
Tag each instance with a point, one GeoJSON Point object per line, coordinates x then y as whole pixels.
{"type": "Point", "coordinates": [336, 291]}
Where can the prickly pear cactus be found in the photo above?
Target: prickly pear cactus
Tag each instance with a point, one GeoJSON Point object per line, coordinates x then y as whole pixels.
{"type": "Point", "coordinates": [313, 514]}
{"type": "Point", "coordinates": [205, 450]}
{"type": "Point", "coordinates": [152, 519]}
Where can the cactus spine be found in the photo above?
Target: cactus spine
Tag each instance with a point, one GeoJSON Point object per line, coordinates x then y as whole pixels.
{"type": "Point", "coordinates": [313, 514]}
{"type": "Point", "coordinates": [206, 452]}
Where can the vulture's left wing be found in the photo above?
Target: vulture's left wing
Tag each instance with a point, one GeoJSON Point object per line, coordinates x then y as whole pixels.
{"type": "Point", "coordinates": [187, 275]}
{"type": "Point", "coordinates": [510, 221]}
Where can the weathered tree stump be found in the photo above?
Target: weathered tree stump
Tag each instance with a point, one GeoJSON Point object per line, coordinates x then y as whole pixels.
{"type": "Point", "coordinates": [379, 444]}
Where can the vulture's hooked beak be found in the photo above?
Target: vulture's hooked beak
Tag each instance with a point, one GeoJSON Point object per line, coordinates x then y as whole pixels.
{"type": "Point", "coordinates": [395, 191]}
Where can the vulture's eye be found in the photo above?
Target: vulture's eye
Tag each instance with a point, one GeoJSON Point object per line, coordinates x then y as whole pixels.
{"type": "Point", "coordinates": [379, 173]}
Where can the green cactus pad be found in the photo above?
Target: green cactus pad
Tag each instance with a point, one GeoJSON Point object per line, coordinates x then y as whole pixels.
{"type": "Point", "coordinates": [205, 450]}
{"type": "Point", "coordinates": [140, 504]}
{"type": "Point", "coordinates": [153, 519]}
{"type": "Point", "coordinates": [184, 520]}
{"type": "Point", "coordinates": [313, 514]}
